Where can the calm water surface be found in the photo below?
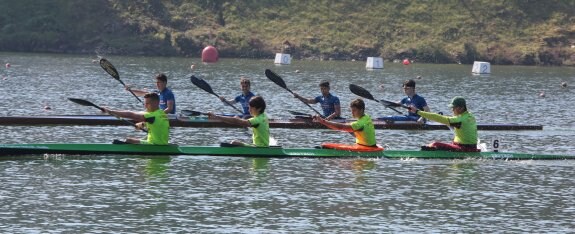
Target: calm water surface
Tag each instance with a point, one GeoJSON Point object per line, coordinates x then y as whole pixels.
{"type": "Point", "coordinates": [104, 194]}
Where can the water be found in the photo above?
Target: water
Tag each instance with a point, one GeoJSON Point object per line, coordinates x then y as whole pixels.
{"type": "Point", "coordinates": [103, 194]}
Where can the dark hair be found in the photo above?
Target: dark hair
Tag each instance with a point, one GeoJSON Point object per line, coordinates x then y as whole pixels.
{"type": "Point", "coordinates": [358, 103]}
{"type": "Point", "coordinates": [245, 80]}
{"type": "Point", "coordinates": [162, 77]}
{"type": "Point", "coordinates": [152, 96]}
{"type": "Point", "coordinates": [324, 83]}
{"type": "Point", "coordinates": [409, 83]}
{"type": "Point", "coordinates": [258, 102]}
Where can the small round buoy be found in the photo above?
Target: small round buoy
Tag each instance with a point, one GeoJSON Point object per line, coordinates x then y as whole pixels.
{"type": "Point", "coordinates": [193, 66]}
{"type": "Point", "coordinates": [209, 54]}
{"type": "Point", "coordinates": [542, 94]}
{"type": "Point", "coordinates": [406, 62]}
{"type": "Point", "coordinates": [296, 71]}
{"type": "Point", "coordinates": [7, 65]}
{"type": "Point", "coordinates": [564, 84]}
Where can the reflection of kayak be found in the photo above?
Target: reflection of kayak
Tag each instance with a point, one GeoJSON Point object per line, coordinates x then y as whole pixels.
{"type": "Point", "coordinates": [203, 122]}
{"type": "Point", "coordinates": [278, 152]}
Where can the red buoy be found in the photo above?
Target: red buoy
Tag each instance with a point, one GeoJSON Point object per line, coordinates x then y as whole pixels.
{"type": "Point", "coordinates": [209, 54]}
{"type": "Point", "coordinates": [406, 62]}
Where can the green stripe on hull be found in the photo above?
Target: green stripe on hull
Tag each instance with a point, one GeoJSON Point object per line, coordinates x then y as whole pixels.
{"type": "Point", "coordinates": [18, 149]}
{"type": "Point", "coordinates": [129, 149]}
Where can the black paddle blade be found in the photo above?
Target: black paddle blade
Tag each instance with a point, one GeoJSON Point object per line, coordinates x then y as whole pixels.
{"type": "Point", "coordinates": [192, 113]}
{"type": "Point", "coordinates": [202, 84]}
{"type": "Point", "coordinates": [82, 102]}
{"type": "Point", "coordinates": [389, 103]}
{"type": "Point", "coordinates": [109, 68]}
{"type": "Point", "coordinates": [298, 113]}
{"type": "Point", "coordinates": [359, 91]}
{"type": "Point", "coordinates": [276, 79]}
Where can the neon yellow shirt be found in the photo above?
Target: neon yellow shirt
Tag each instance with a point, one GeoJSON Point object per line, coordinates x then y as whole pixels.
{"type": "Point", "coordinates": [159, 130]}
{"type": "Point", "coordinates": [261, 130]}
{"type": "Point", "coordinates": [364, 131]}
{"type": "Point", "coordinates": [466, 134]}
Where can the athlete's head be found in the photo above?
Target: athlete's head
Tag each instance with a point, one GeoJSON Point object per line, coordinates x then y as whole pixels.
{"type": "Point", "coordinates": [258, 104]}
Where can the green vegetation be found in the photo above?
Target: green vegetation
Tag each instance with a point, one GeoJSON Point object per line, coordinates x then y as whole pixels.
{"type": "Point", "coordinates": [528, 32]}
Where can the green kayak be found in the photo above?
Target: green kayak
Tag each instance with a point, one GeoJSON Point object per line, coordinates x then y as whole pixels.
{"type": "Point", "coordinates": [279, 152]}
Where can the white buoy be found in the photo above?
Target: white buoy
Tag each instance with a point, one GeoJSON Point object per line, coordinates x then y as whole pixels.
{"type": "Point", "coordinates": [284, 59]}
{"type": "Point", "coordinates": [481, 68]}
{"type": "Point", "coordinates": [374, 63]}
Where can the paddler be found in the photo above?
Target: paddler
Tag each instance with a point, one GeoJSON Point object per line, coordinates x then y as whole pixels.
{"type": "Point", "coordinates": [244, 97]}
{"type": "Point", "coordinates": [362, 128]}
{"type": "Point", "coordinates": [412, 98]}
{"type": "Point", "coordinates": [465, 127]}
{"type": "Point", "coordinates": [153, 119]}
{"type": "Point", "coordinates": [167, 98]}
{"type": "Point", "coordinates": [329, 103]}
{"type": "Point", "coordinates": [259, 123]}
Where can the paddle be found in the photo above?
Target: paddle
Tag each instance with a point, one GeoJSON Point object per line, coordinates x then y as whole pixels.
{"type": "Point", "coordinates": [359, 91]}
{"type": "Point", "coordinates": [110, 69]}
{"type": "Point", "coordinates": [279, 81]}
{"type": "Point", "coordinates": [202, 84]}
{"type": "Point", "coordinates": [193, 113]}
{"type": "Point", "coordinates": [88, 103]}
{"type": "Point", "coordinates": [299, 113]}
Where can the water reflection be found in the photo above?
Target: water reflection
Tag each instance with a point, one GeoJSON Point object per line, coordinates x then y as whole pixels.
{"type": "Point", "coordinates": [110, 194]}
{"type": "Point", "coordinates": [157, 167]}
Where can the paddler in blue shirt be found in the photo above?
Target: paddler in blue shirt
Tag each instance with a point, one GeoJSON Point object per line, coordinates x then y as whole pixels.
{"type": "Point", "coordinates": [244, 97]}
{"type": "Point", "coordinates": [412, 99]}
{"type": "Point", "coordinates": [167, 98]}
{"type": "Point", "coordinates": [329, 103]}
{"type": "Point", "coordinates": [362, 128]}
{"type": "Point", "coordinates": [153, 119]}
{"type": "Point", "coordinates": [259, 123]}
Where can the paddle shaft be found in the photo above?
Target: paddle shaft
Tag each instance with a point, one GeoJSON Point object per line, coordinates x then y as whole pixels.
{"type": "Point", "coordinates": [202, 84]}
{"type": "Point", "coordinates": [88, 103]}
{"type": "Point", "coordinates": [280, 82]}
{"type": "Point", "coordinates": [359, 91]}
{"type": "Point", "coordinates": [110, 69]}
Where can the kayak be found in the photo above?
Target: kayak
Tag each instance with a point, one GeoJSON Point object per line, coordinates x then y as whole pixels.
{"type": "Point", "coordinates": [203, 122]}
{"type": "Point", "coordinates": [134, 149]}
{"type": "Point", "coordinates": [271, 152]}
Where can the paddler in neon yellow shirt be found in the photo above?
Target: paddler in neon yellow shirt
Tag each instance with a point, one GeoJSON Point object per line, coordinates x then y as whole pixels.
{"type": "Point", "coordinates": [154, 120]}
{"type": "Point", "coordinates": [465, 127]}
{"type": "Point", "coordinates": [259, 122]}
{"type": "Point", "coordinates": [362, 128]}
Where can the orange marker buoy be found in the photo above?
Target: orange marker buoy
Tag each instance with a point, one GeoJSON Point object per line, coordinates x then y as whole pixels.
{"type": "Point", "coordinates": [210, 54]}
{"type": "Point", "coordinates": [406, 62]}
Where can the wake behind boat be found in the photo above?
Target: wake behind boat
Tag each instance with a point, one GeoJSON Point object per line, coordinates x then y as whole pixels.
{"type": "Point", "coordinates": [271, 152]}
{"type": "Point", "coordinates": [203, 122]}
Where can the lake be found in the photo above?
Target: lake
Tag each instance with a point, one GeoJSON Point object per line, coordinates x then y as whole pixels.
{"type": "Point", "coordinates": [119, 193]}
